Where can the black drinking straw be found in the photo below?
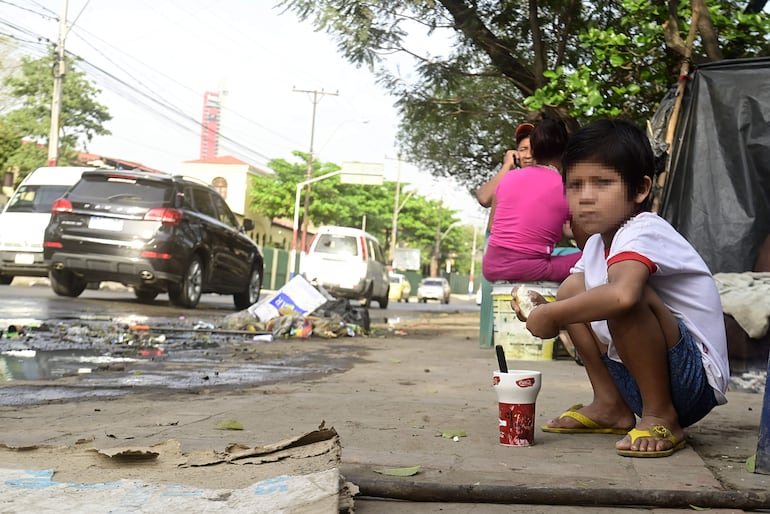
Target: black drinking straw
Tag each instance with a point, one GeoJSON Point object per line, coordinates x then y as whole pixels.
{"type": "Point", "coordinates": [501, 359]}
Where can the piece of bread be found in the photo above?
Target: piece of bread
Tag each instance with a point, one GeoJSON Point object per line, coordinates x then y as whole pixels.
{"type": "Point", "coordinates": [524, 301]}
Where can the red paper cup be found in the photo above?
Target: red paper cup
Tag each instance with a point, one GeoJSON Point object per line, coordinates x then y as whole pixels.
{"type": "Point", "coordinates": [517, 424]}
{"type": "Point", "coordinates": [516, 394]}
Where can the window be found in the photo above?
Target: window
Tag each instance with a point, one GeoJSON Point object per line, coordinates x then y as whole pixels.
{"type": "Point", "coordinates": [374, 251]}
{"type": "Point", "coordinates": [202, 202]}
{"type": "Point", "coordinates": [335, 244]}
{"type": "Point", "coordinates": [220, 184]}
{"type": "Point", "coordinates": [225, 215]}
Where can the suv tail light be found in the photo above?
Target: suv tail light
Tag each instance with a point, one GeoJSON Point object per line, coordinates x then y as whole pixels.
{"type": "Point", "coordinates": [61, 205]}
{"type": "Point", "coordinates": [165, 216]}
{"type": "Point", "coordinates": [363, 248]}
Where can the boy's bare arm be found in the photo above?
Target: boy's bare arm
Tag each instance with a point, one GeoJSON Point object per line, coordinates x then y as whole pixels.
{"type": "Point", "coordinates": [624, 289]}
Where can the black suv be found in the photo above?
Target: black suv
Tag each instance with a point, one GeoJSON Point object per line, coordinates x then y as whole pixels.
{"type": "Point", "coordinates": [154, 232]}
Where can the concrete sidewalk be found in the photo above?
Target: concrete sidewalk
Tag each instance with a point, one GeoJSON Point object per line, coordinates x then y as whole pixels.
{"type": "Point", "coordinates": [390, 410]}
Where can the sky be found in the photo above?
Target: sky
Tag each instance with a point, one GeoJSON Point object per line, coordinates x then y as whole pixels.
{"type": "Point", "coordinates": [154, 60]}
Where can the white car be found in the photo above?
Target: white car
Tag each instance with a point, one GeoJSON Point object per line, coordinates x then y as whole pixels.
{"type": "Point", "coordinates": [348, 263]}
{"type": "Point", "coordinates": [433, 288]}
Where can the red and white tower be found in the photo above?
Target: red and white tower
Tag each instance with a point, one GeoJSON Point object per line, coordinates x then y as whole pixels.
{"type": "Point", "coordinates": [210, 125]}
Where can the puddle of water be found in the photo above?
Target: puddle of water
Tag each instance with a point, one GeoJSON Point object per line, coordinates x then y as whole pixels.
{"type": "Point", "coordinates": [53, 364]}
{"type": "Point", "coordinates": [190, 379]}
{"type": "Point", "coordinates": [17, 396]}
{"type": "Point", "coordinates": [102, 358]}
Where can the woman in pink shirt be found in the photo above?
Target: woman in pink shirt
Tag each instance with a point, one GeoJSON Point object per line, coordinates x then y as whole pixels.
{"type": "Point", "coordinates": [530, 215]}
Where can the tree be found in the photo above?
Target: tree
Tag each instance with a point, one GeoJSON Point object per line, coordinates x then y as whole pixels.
{"type": "Point", "coordinates": [333, 203]}
{"type": "Point", "coordinates": [10, 141]}
{"type": "Point", "coordinates": [511, 60]}
{"type": "Point", "coordinates": [82, 117]}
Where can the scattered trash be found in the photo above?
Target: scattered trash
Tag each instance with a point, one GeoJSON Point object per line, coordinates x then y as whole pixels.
{"type": "Point", "coordinates": [451, 434]}
{"type": "Point", "coordinates": [297, 297]}
{"type": "Point", "coordinates": [751, 381]}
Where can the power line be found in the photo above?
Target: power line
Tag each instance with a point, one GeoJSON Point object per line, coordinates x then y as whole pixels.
{"type": "Point", "coordinates": [140, 93]}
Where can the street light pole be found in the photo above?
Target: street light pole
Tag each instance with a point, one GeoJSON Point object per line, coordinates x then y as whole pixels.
{"type": "Point", "coordinates": [295, 225]}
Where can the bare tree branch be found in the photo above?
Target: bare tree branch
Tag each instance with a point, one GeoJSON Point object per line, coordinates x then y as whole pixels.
{"type": "Point", "coordinates": [537, 44]}
{"type": "Point", "coordinates": [671, 30]}
{"type": "Point", "coordinates": [708, 35]}
{"type": "Point", "coordinates": [468, 22]}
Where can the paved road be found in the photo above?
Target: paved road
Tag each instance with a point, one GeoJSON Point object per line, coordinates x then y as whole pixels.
{"type": "Point", "coordinates": [33, 298]}
{"type": "Point", "coordinates": [91, 334]}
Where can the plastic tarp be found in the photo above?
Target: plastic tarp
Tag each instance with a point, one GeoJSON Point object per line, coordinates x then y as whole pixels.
{"type": "Point", "coordinates": [717, 190]}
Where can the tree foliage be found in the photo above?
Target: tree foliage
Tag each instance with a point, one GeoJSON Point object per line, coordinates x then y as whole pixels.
{"type": "Point", "coordinates": [498, 62]}
{"type": "Point", "coordinates": [30, 92]}
{"type": "Point", "coordinates": [420, 220]}
{"type": "Point", "coordinates": [10, 142]}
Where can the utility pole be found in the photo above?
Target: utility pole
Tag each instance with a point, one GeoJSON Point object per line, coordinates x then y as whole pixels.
{"type": "Point", "coordinates": [317, 95]}
{"type": "Point", "coordinates": [58, 86]}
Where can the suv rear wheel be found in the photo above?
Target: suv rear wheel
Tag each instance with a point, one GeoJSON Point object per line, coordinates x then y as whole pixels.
{"type": "Point", "coordinates": [66, 283]}
{"type": "Point", "coordinates": [145, 294]}
{"type": "Point", "coordinates": [383, 301]}
{"type": "Point", "coordinates": [250, 295]}
{"type": "Point", "coordinates": [366, 300]}
{"type": "Point", "coordinates": [188, 293]}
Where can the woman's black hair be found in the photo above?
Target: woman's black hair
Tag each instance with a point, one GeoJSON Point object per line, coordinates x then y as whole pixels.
{"type": "Point", "coordinates": [548, 140]}
{"type": "Point", "coordinates": [617, 144]}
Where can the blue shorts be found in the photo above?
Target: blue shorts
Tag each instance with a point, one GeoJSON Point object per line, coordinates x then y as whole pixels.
{"type": "Point", "coordinates": [692, 395]}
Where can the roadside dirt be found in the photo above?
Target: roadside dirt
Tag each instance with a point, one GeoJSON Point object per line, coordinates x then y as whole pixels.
{"type": "Point", "coordinates": [390, 397]}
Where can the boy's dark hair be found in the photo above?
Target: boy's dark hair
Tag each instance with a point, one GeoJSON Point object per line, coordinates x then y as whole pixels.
{"type": "Point", "coordinates": [618, 144]}
{"type": "Point", "coordinates": [548, 140]}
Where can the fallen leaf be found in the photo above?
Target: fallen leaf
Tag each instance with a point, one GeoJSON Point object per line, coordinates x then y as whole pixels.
{"type": "Point", "coordinates": [751, 463]}
{"type": "Point", "coordinates": [399, 472]}
{"type": "Point", "coordinates": [229, 424]}
{"type": "Point", "coordinates": [451, 434]}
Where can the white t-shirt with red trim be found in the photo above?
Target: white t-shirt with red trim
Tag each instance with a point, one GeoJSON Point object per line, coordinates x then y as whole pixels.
{"type": "Point", "coordinates": [677, 274]}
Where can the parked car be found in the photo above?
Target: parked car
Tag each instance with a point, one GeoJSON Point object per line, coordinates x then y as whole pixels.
{"type": "Point", "coordinates": [400, 288]}
{"type": "Point", "coordinates": [348, 263]}
{"type": "Point", "coordinates": [434, 288]}
{"type": "Point", "coordinates": [154, 232]}
{"type": "Point", "coordinates": [24, 218]}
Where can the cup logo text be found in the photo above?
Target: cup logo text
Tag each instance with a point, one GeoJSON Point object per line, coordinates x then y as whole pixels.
{"type": "Point", "coordinates": [526, 382]}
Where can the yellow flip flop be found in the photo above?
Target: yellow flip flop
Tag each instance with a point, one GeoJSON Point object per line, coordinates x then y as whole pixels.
{"type": "Point", "coordinates": [589, 426]}
{"type": "Point", "coordinates": [656, 432]}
